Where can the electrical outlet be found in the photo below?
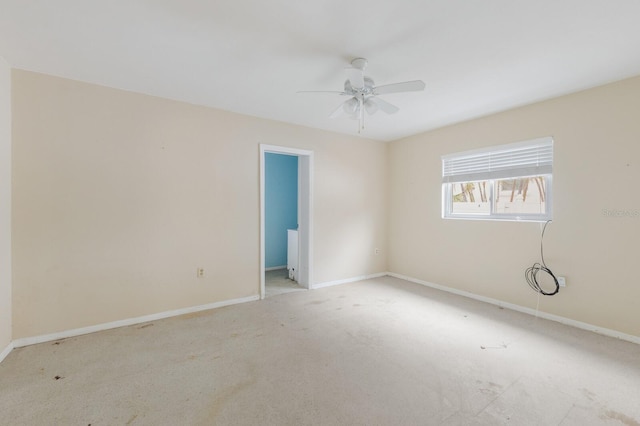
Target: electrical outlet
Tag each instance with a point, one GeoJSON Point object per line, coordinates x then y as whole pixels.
{"type": "Point", "coordinates": [376, 250]}
{"type": "Point", "coordinates": [562, 281]}
{"type": "Point", "coordinates": [200, 272]}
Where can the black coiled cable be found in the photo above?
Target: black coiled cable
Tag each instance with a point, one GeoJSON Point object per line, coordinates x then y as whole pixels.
{"type": "Point", "coordinates": [531, 273]}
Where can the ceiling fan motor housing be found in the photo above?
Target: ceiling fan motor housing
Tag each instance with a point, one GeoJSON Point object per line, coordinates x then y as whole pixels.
{"type": "Point", "coordinates": [366, 90]}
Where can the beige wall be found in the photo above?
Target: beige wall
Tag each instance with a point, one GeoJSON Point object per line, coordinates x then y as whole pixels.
{"type": "Point", "coordinates": [119, 197]}
{"type": "Point", "coordinates": [5, 204]}
{"type": "Point", "coordinates": [596, 167]}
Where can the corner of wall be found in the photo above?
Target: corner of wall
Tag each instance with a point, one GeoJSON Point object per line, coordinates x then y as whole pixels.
{"type": "Point", "coordinates": [5, 210]}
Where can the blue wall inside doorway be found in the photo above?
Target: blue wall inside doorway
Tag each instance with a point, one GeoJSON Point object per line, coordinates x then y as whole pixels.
{"type": "Point", "coordinates": [281, 205]}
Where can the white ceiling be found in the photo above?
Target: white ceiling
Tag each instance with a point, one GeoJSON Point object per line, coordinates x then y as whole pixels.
{"type": "Point", "coordinates": [252, 56]}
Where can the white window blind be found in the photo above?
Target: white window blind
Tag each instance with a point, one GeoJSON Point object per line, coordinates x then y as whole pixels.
{"type": "Point", "coordinates": [521, 159]}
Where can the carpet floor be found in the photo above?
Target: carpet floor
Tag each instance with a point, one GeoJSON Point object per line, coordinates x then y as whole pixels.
{"type": "Point", "coordinates": [277, 282]}
{"type": "Point", "coordinates": [375, 352]}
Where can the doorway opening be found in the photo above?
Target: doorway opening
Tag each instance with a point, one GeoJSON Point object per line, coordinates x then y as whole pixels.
{"type": "Point", "coordinates": [277, 227]}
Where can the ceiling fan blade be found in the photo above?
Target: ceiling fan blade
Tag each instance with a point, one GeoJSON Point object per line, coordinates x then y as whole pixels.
{"type": "Point", "coordinates": [407, 86]}
{"type": "Point", "coordinates": [355, 77]}
{"type": "Point", "coordinates": [322, 91]}
{"type": "Point", "coordinates": [384, 105]}
{"type": "Point", "coordinates": [338, 111]}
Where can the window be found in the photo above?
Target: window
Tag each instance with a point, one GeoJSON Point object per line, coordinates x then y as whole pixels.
{"type": "Point", "coordinates": [507, 182]}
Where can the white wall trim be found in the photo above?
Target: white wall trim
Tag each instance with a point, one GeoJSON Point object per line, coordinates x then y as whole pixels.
{"type": "Point", "coordinates": [275, 268]}
{"type": "Point", "coordinates": [6, 351]}
{"type": "Point", "coordinates": [277, 149]}
{"type": "Point", "coordinates": [566, 321]}
{"type": "Point", "coordinates": [348, 280]}
{"type": "Point", "coordinates": [126, 322]}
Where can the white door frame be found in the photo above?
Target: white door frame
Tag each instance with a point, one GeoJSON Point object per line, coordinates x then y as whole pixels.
{"type": "Point", "coordinates": [305, 212]}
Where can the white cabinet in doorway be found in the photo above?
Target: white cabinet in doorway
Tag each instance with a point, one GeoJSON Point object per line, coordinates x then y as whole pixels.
{"type": "Point", "coordinates": [292, 253]}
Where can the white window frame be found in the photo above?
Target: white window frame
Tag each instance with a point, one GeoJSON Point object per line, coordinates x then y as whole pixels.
{"type": "Point", "coordinates": [511, 161]}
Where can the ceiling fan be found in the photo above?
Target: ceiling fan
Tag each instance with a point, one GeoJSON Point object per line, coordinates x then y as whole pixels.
{"type": "Point", "coordinates": [364, 93]}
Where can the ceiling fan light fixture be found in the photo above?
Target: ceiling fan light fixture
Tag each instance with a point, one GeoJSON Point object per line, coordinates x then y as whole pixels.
{"type": "Point", "coordinates": [351, 106]}
{"type": "Point", "coordinates": [371, 107]}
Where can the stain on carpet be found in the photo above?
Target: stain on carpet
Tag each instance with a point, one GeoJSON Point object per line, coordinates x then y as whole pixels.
{"type": "Point", "coordinates": [230, 393]}
{"type": "Point", "coordinates": [621, 417]}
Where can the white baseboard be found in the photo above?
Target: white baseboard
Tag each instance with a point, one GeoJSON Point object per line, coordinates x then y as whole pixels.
{"type": "Point", "coordinates": [567, 321]}
{"type": "Point", "coordinates": [153, 317]}
{"type": "Point", "coordinates": [348, 280]}
{"type": "Point", "coordinates": [275, 268]}
{"type": "Point", "coordinates": [6, 351]}
{"type": "Point", "coordinates": [126, 322]}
